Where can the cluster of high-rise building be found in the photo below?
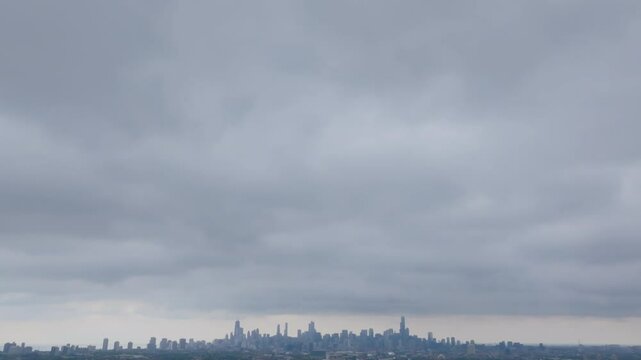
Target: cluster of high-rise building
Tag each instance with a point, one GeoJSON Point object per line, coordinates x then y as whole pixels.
{"type": "Point", "coordinates": [314, 345]}
{"type": "Point", "coordinates": [303, 341]}
{"type": "Point", "coordinates": [13, 348]}
{"type": "Point", "coordinates": [312, 340]}
{"type": "Point", "coordinates": [309, 341]}
{"type": "Point", "coordinates": [116, 345]}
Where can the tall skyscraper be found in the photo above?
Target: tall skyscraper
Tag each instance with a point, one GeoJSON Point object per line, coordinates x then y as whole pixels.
{"type": "Point", "coordinates": [285, 330]}
{"type": "Point", "coordinates": [405, 332]}
{"type": "Point", "coordinates": [238, 334]}
{"type": "Point", "coordinates": [311, 328]}
{"type": "Point", "coordinates": [278, 330]}
{"type": "Point", "coordinates": [105, 344]}
{"type": "Point", "coordinates": [130, 346]}
{"type": "Point", "coordinates": [116, 345]}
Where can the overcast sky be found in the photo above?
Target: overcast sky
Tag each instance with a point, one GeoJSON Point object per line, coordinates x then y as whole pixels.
{"type": "Point", "coordinates": [166, 163]}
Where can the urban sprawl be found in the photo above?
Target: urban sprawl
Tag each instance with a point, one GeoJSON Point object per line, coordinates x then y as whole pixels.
{"type": "Point", "coordinates": [312, 344]}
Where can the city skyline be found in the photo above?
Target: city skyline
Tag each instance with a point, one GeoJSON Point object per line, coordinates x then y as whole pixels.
{"type": "Point", "coordinates": [313, 344]}
{"type": "Point", "coordinates": [541, 332]}
{"type": "Point", "coordinates": [245, 338]}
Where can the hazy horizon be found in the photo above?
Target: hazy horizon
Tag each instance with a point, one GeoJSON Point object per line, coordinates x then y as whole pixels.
{"type": "Point", "coordinates": [171, 165]}
{"type": "Point", "coordinates": [482, 329]}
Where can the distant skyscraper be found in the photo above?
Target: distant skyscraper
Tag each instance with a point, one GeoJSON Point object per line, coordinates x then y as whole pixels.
{"type": "Point", "coordinates": [164, 344]}
{"type": "Point", "coordinates": [405, 332]}
{"type": "Point", "coordinates": [278, 330]}
{"type": "Point", "coordinates": [471, 348]}
{"type": "Point", "coordinates": [130, 346]}
{"type": "Point", "coordinates": [116, 345]}
{"type": "Point", "coordinates": [311, 328]}
{"type": "Point", "coordinates": [105, 344]}
{"type": "Point", "coordinates": [344, 336]}
{"type": "Point", "coordinates": [152, 344]}
{"type": "Point", "coordinates": [285, 330]}
{"type": "Point", "coordinates": [237, 329]}
{"type": "Point", "coordinates": [238, 333]}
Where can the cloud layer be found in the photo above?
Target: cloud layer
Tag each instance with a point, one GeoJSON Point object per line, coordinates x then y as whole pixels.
{"type": "Point", "coordinates": [321, 157]}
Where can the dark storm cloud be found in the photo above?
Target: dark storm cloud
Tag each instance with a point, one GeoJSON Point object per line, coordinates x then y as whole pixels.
{"type": "Point", "coordinates": [305, 157]}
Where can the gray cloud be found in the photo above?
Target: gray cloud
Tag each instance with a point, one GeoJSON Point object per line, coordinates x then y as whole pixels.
{"type": "Point", "coordinates": [304, 157]}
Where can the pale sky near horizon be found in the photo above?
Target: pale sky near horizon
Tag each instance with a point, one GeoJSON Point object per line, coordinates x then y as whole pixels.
{"type": "Point", "coordinates": [169, 165]}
